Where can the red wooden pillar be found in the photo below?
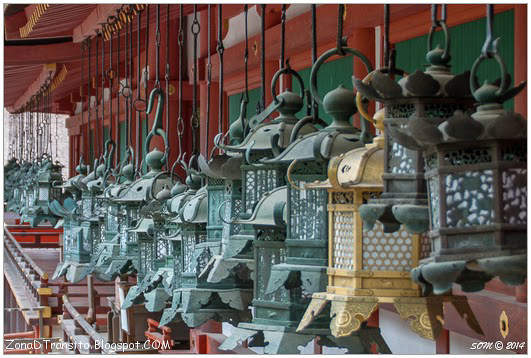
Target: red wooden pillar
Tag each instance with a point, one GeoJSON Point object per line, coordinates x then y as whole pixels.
{"type": "Point", "coordinates": [363, 40]}
{"type": "Point", "coordinates": [442, 343]}
{"type": "Point", "coordinates": [520, 56]}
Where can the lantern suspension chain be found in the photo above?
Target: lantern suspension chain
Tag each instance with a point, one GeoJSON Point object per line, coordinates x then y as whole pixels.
{"type": "Point", "coordinates": [386, 36]}
{"type": "Point", "coordinates": [102, 93]}
{"type": "Point", "coordinates": [315, 105]}
{"type": "Point", "coordinates": [220, 49]}
{"type": "Point", "coordinates": [138, 91]}
{"type": "Point", "coordinates": [195, 28]}
{"type": "Point", "coordinates": [180, 44]}
{"type": "Point", "coordinates": [97, 127]}
{"type": "Point", "coordinates": [89, 136]}
{"type": "Point", "coordinates": [245, 99]}
{"type": "Point", "coordinates": [130, 13]}
{"type": "Point", "coordinates": [157, 47]}
{"type": "Point", "coordinates": [490, 47]}
{"type": "Point", "coordinates": [208, 81]}
{"type": "Point", "coordinates": [167, 80]}
{"type": "Point", "coordinates": [138, 163]}
{"type": "Point", "coordinates": [56, 136]}
{"type": "Point", "coordinates": [126, 90]}
{"type": "Point", "coordinates": [110, 77]}
{"type": "Point", "coordinates": [118, 137]}
{"type": "Point", "coordinates": [261, 104]}
{"type": "Point", "coordinates": [340, 41]}
{"type": "Point", "coordinates": [282, 36]}
{"type": "Point", "coordinates": [246, 53]}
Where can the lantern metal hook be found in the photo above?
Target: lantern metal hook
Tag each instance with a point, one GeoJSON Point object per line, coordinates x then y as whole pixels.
{"type": "Point", "coordinates": [289, 178]}
{"type": "Point", "coordinates": [157, 124]}
{"type": "Point", "coordinates": [231, 220]}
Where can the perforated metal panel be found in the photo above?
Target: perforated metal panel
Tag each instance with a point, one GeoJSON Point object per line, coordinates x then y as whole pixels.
{"type": "Point", "coordinates": [387, 251]}
{"type": "Point", "coordinates": [514, 182]}
{"type": "Point", "coordinates": [258, 182]}
{"type": "Point", "coordinates": [308, 215]}
{"type": "Point", "coordinates": [469, 198]}
{"type": "Point", "coordinates": [266, 258]}
{"type": "Point", "coordinates": [343, 231]}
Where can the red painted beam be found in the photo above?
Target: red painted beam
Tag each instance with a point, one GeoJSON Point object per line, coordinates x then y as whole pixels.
{"type": "Point", "coordinates": [488, 308]}
{"type": "Point", "coordinates": [41, 54]}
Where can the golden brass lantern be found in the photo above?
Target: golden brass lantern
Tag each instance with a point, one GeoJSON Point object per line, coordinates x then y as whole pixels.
{"type": "Point", "coordinates": [369, 266]}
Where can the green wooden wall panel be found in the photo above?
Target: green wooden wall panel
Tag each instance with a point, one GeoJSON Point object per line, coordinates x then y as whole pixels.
{"type": "Point", "coordinates": [465, 46]}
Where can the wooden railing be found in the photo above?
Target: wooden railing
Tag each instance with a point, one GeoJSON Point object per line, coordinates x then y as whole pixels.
{"type": "Point", "coordinates": [162, 339]}
{"type": "Point", "coordinates": [72, 335]}
{"type": "Point", "coordinates": [35, 278]}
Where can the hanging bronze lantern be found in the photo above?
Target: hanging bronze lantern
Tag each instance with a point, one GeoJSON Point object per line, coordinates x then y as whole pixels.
{"type": "Point", "coordinates": [69, 210]}
{"type": "Point", "coordinates": [49, 180]}
{"type": "Point", "coordinates": [476, 168]}
{"type": "Point", "coordinates": [234, 257]}
{"type": "Point", "coordinates": [197, 300]}
{"type": "Point", "coordinates": [179, 230]}
{"type": "Point", "coordinates": [298, 269]}
{"type": "Point", "coordinates": [434, 94]}
{"type": "Point", "coordinates": [368, 266]}
{"type": "Point", "coordinates": [114, 220]}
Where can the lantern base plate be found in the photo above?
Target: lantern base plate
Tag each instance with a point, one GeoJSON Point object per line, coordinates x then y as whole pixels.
{"type": "Point", "coordinates": [424, 314]}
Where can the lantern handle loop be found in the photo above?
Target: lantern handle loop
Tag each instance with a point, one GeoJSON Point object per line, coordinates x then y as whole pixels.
{"type": "Point", "coordinates": [286, 70]}
{"type": "Point", "coordinates": [436, 23]}
{"type": "Point", "coordinates": [342, 52]}
{"type": "Point", "coordinates": [221, 206]}
{"type": "Point", "coordinates": [304, 121]}
{"type": "Point", "coordinates": [504, 84]}
{"type": "Point", "coordinates": [289, 178]}
{"type": "Point", "coordinates": [157, 123]}
{"type": "Point", "coordinates": [324, 57]}
{"type": "Point", "coordinates": [359, 96]}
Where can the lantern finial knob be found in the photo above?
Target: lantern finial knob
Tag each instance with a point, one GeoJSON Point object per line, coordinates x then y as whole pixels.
{"type": "Point", "coordinates": [340, 103]}
{"type": "Point", "coordinates": [154, 160]}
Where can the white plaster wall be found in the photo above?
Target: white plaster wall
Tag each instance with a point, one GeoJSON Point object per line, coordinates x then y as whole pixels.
{"type": "Point", "coordinates": [400, 339]}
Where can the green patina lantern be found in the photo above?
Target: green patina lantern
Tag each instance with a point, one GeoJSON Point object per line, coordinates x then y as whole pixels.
{"type": "Point", "coordinates": [132, 199]}
{"type": "Point", "coordinates": [19, 193]}
{"type": "Point", "coordinates": [198, 300]}
{"type": "Point", "coordinates": [433, 94]}
{"type": "Point", "coordinates": [11, 170]}
{"type": "Point", "coordinates": [30, 190]}
{"type": "Point", "coordinates": [476, 169]}
{"type": "Point", "coordinates": [85, 232]}
{"type": "Point", "coordinates": [291, 251]}
{"type": "Point", "coordinates": [70, 211]}
{"type": "Point", "coordinates": [178, 230]}
{"type": "Point", "coordinates": [113, 222]}
{"type": "Point", "coordinates": [235, 258]}
{"type": "Point", "coordinates": [49, 180]}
